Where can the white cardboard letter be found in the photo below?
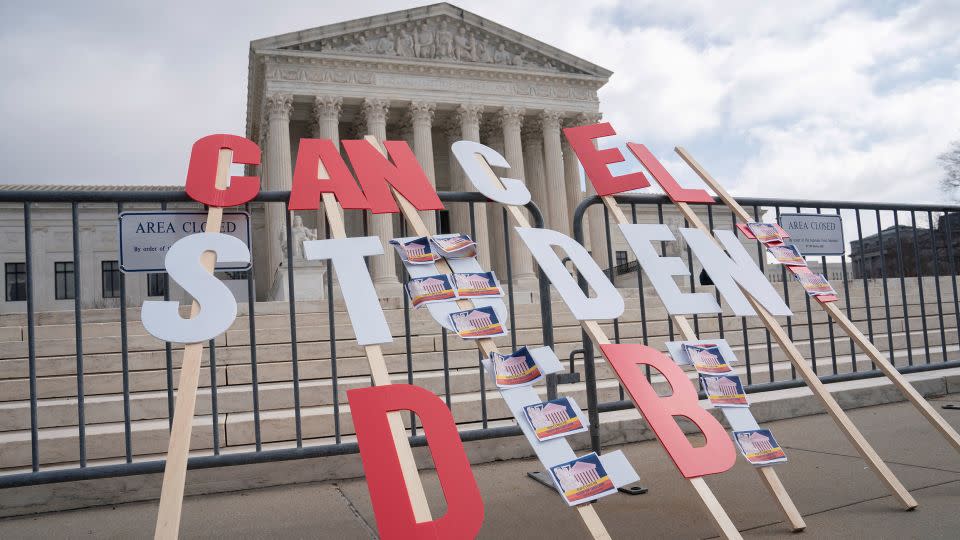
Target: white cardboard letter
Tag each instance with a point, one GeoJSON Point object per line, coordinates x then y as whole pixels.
{"type": "Point", "coordinates": [608, 304]}
{"type": "Point", "coordinates": [218, 307]}
{"type": "Point", "coordinates": [363, 306]}
{"type": "Point", "coordinates": [469, 154]}
{"type": "Point", "coordinates": [731, 273]}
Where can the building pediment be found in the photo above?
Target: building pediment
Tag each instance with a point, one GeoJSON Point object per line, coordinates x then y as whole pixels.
{"type": "Point", "coordinates": [440, 33]}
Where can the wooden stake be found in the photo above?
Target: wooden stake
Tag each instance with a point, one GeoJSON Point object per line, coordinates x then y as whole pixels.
{"type": "Point", "coordinates": [813, 382]}
{"type": "Point", "coordinates": [178, 449]}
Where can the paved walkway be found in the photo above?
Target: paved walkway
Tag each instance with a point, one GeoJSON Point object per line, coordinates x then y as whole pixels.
{"type": "Point", "coordinates": [839, 497]}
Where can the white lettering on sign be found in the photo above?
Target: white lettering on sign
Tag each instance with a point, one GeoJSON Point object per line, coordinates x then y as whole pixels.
{"type": "Point", "coordinates": [145, 237]}
{"type": "Point", "coordinates": [815, 234]}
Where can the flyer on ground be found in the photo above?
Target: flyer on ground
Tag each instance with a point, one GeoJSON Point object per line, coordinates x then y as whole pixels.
{"type": "Point", "coordinates": [724, 390]}
{"type": "Point", "coordinates": [455, 245]}
{"type": "Point", "coordinates": [768, 233]}
{"type": "Point", "coordinates": [582, 480]}
{"type": "Point", "coordinates": [787, 254]}
{"type": "Point", "coordinates": [430, 289]}
{"type": "Point", "coordinates": [477, 284]}
{"type": "Point", "coordinates": [515, 369]}
{"type": "Point", "coordinates": [759, 447]}
{"type": "Point", "coordinates": [555, 418]}
{"type": "Point", "coordinates": [477, 323]}
{"type": "Point", "coordinates": [814, 284]}
{"type": "Point", "coordinates": [707, 358]}
{"type": "Point", "coordinates": [415, 251]}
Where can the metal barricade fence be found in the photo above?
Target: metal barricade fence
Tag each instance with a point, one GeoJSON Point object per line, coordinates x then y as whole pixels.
{"type": "Point", "coordinates": [77, 463]}
{"type": "Point", "coordinates": [907, 301]}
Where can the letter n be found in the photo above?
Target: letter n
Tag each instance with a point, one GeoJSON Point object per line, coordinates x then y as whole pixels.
{"type": "Point", "coordinates": [376, 174]}
{"type": "Point", "coordinates": [381, 463]}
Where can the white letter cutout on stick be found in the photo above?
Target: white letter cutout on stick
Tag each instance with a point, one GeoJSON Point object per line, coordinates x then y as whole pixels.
{"type": "Point", "coordinates": [608, 304]}
{"type": "Point", "coordinates": [661, 270]}
{"type": "Point", "coordinates": [359, 294]}
{"type": "Point", "coordinates": [218, 307]}
{"type": "Point", "coordinates": [737, 269]}
{"type": "Point", "coordinates": [469, 154]}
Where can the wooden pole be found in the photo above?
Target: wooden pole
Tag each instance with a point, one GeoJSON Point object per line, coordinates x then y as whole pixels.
{"type": "Point", "coordinates": [843, 421]}
{"type": "Point", "coordinates": [178, 449]}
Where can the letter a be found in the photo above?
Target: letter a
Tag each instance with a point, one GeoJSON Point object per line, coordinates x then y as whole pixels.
{"type": "Point", "coordinates": [381, 464]}
{"type": "Point", "coordinates": [717, 455]}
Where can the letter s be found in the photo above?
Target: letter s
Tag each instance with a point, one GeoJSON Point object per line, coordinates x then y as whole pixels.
{"type": "Point", "coordinates": [218, 307]}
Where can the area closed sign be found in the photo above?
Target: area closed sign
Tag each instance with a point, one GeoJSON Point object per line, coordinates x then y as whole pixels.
{"type": "Point", "coordinates": [815, 234]}
{"type": "Point", "coordinates": [145, 237]}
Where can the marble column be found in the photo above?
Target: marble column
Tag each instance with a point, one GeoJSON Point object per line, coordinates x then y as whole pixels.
{"type": "Point", "coordinates": [326, 118]}
{"type": "Point", "coordinates": [511, 118]}
{"type": "Point", "coordinates": [556, 192]}
{"type": "Point", "coordinates": [493, 138]}
{"type": "Point", "coordinates": [421, 121]}
{"type": "Point", "coordinates": [595, 221]}
{"type": "Point", "coordinates": [459, 216]}
{"type": "Point", "coordinates": [535, 173]}
{"type": "Point", "coordinates": [279, 175]}
{"type": "Point", "coordinates": [469, 116]}
{"type": "Point", "coordinates": [571, 179]}
{"type": "Point", "coordinates": [382, 267]}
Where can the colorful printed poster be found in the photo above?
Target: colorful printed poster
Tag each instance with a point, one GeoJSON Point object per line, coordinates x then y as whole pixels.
{"type": "Point", "coordinates": [515, 369]}
{"type": "Point", "coordinates": [477, 284]}
{"type": "Point", "coordinates": [759, 447]}
{"type": "Point", "coordinates": [430, 289]}
{"type": "Point", "coordinates": [724, 390]}
{"type": "Point", "coordinates": [707, 358]}
{"type": "Point", "coordinates": [455, 245]}
{"type": "Point", "coordinates": [554, 418]}
{"type": "Point", "coordinates": [765, 232]}
{"type": "Point", "coordinates": [477, 323]}
{"type": "Point", "coordinates": [787, 254]}
{"type": "Point", "coordinates": [814, 284]}
{"type": "Point", "coordinates": [416, 251]}
{"type": "Point", "coordinates": [582, 480]}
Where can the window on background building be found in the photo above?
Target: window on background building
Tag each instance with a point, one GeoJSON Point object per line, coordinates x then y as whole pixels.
{"type": "Point", "coordinates": [445, 222]}
{"type": "Point", "coordinates": [16, 281]}
{"type": "Point", "coordinates": [621, 258]}
{"type": "Point", "coordinates": [157, 284]}
{"type": "Point", "coordinates": [63, 281]}
{"type": "Point", "coordinates": [110, 275]}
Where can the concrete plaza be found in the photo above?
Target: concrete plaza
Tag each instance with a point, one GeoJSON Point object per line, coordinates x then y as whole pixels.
{"type": "Point", "coordinates": [838, 496]}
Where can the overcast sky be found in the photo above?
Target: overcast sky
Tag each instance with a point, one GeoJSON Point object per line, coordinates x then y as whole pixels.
{"type": "Point", "coordinates": [814, 99]}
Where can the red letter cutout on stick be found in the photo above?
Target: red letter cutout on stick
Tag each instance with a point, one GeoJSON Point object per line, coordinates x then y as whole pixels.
{"type": "Point", "coordinates": [666, 181]}
{"type": "Point", "coordinates": [717, 455]}
{"type": "Point", "coordinates": [376, 174]}
{"type": "Point", "coordinates": [595, 161]}
{"type": "Point", "coordinates": [388, 491]}
{"type": "Point", "coordinates": [202, 172]}
{"type": "Point", "coordinates": [308, 187]}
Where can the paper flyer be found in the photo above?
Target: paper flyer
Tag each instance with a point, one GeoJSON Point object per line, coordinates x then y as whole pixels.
{"type": "Point", "coordinates": [477, 284]}
{"type": "Point", "coordinates": [582, 480]}
{"type": "Point", "coordinates": [515, 369]}
{"type": "Point", "coordinates": [455, 245]}
{"type": "Point", "coordinates": [707, 358]}
{"type": "Point", "coordinates": [814, 284]}
{"type": "Point", "coordinates": [787, 254]}
{"type": "Point", "coordinates": [415, 251]}
{"type": "Point", "coordinates": [477, 323]}
{"type": "Point", "coordinates": [765, 232]}
{"type": "Point", "coordinates": [724, 390]}
{"type": "Point", "coordinates": [759, 447]}
{"type": "Point", "coordinates": [555, 418]}
{"type": "Point", "coordinates": [428, 289]}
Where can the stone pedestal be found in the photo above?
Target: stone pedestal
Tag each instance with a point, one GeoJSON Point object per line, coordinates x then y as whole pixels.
{"type": "Point", "coordinates": [309, 281]}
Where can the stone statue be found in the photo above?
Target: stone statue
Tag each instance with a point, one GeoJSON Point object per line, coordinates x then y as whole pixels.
{"type": "Point", "coordinates": [474, 47]}
{"type": "Point", "coordinates": [444, 41]}
{"type": "Point", "coordinates": [485, 54]}
{"type": "Point", "coordinates": [362, 45]}
{"type": "Point", "coordinates": [405, 44]}
{"type": "Point", "coordinates": [518, 59]}
{"type": "Point", "coordinates": [300, 234]}
{"type": "Point", "coordinates": [502, 56]}
{"type": "Point", "coordinates": [425, 46]}
{"type": "Point", "coordinates": [385, 45]}
{"type": "Point", "coordinates": [462, 50]}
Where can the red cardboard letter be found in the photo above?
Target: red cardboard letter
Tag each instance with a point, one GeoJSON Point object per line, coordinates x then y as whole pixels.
{"type": "Point", "coordinates": [595, 161]}
{"type": "Point", "coordinates": [388, 492]}
{"type": "Point", "coordinates": [376, 174]}
{"type": "Point", "coordinates": [202, 172]}
{"type": "Point", "coordinates": [308, 187]}
{"type": "Point", "coordinates": [669, 185]}
{"type": "Point", "coordinates": [717, 455]}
